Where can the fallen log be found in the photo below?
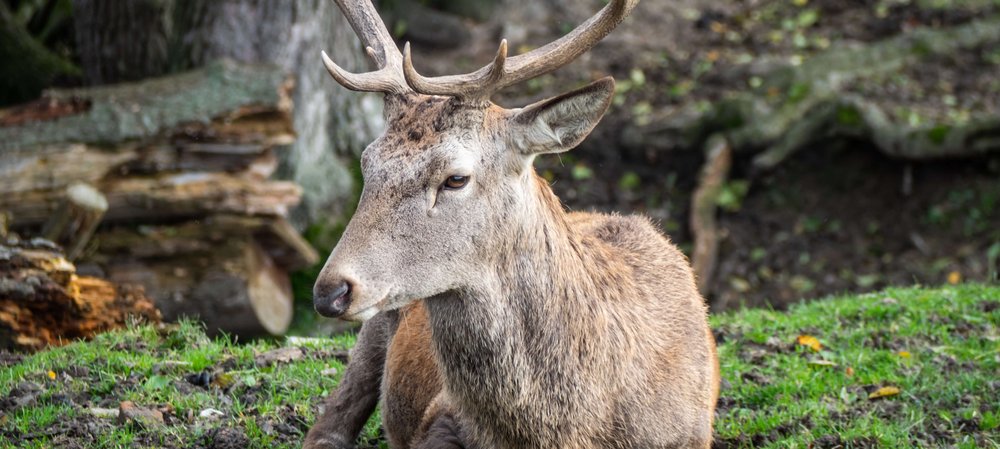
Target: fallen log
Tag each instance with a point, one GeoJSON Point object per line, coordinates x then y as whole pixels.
{"type": "Point", "coordinates": [43, 302]}
{"type": "Point", "coordinates": [143, 110]}
{"type": "Point", "coordinates": [231, 272]}
{"type": "Point", "coordinates": [165, 198]}
{"type": "Point", "coordinates": [182, 163]}
{"type": "Point", "coordinates": [226, 117]}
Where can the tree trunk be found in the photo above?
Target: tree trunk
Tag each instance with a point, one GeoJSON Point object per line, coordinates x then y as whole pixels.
{"type": "Point", "coordinates": [332, 124]}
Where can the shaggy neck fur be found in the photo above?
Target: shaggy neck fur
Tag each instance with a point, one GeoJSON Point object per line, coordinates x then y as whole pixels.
{"type": "Point", "coordinates": [505, 346]}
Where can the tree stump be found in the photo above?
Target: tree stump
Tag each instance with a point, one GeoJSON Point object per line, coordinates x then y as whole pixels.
{"type": "Point", "coordinates": [44, 302]}
{"type": "Point", "coordinates": [76, 219]}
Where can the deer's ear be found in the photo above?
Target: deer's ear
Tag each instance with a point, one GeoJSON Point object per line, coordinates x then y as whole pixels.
{"type": "Point", "coordinates": [562, 122]}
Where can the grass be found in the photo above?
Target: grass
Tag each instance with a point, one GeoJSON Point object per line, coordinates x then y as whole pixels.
{"type": "Point", "coordinates": [940, 347]}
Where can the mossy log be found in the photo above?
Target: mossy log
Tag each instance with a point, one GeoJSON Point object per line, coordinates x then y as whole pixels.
{"type": "Point", "coordinates": [43, 302]}
{"type": "Point", "coordinates": [121, 113]}
{"type": "Point", "coordinates": [154, 199]}
{"type": "Point", "coordinates": [226, 117]}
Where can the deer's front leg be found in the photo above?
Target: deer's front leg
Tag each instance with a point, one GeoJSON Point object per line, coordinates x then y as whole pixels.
{"type": "Point", "coordinates": [354, 400]}
{"type": "Point", "coordinates": [441, 428]}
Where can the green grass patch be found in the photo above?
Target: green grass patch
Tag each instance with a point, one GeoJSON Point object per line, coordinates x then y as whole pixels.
{"type": "Point", "coordinates": [940, 347]}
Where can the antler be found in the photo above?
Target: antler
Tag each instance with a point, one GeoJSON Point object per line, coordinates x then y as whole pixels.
{"type": "Point", "coordinates": [478, 86]}
{"type": "Point", "coordinates": [367, 24]}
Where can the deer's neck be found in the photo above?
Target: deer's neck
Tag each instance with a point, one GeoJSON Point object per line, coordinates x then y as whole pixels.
{"type": "Point", "coordinates": [530, 326]}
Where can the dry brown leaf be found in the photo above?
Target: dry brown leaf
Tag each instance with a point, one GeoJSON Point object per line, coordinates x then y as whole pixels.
{"type": "Point", "coordinates": [884, 392]}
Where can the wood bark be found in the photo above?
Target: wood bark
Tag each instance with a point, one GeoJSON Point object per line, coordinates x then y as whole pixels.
{"type": "Point", "coordinates": [43, 302]}
{"type": "Point", "coordinates": [132, 35]}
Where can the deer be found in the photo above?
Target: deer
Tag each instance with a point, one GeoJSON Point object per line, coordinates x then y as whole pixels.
{"type": "Point", "coordinates": [492, 317]}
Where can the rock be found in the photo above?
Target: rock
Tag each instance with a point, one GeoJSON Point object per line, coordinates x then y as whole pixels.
{"type": "Point", "coordinates": [211, 414]}
{"type": "Point", "coordinates": [24, 393]}
{"type": "Point", "coordinates": [103, 413]}
{"type": "Point", "coordinates": [280, 355]}
{"type": "Point", "coordinates": [129, 412]}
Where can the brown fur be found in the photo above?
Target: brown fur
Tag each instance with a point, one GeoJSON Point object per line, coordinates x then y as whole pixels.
{"type": "Point", "coordinates": [538, 328]}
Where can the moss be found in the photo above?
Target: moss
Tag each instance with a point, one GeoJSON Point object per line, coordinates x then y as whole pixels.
{"type": "Point", "coordinates": [938, 133]}
{"type": "Point", "coordinates": [848, 116]}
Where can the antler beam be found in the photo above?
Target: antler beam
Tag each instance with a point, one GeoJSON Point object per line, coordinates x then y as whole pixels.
{"type": "Point", "coordinates": [480, 85]}
{"type": "Point", "coordinates": [395, 72]}
{"type": "Point", "coordinates": [367, 24]}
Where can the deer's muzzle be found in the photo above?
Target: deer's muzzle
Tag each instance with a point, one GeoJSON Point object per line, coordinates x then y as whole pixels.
{"type": "Point", "coordinates": [331, 299]}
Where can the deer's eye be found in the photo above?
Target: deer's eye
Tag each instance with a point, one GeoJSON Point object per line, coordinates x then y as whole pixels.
{"type": "Point", "coordinates": [455, 182]}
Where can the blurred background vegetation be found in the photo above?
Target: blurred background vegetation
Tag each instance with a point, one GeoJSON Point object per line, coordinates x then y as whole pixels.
{"type": "Point", "coordinates": [794, 148]}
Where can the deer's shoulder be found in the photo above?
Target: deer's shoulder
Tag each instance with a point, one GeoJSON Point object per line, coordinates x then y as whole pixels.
{"type": "Point", "coordinates": [634, 233]}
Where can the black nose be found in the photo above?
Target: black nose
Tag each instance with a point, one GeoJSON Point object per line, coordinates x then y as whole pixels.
{"type": "Point", "coordinates": [331, 299]}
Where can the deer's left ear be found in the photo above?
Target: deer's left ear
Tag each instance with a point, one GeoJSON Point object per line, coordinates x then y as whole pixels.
{"type": "Point", "coordinates": [560, 123]}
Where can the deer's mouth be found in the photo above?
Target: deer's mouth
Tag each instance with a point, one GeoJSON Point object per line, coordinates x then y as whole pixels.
{"type": "Point", "coordinates": [363, 315]}
{"type": "Point", "coordinates": [365, 312]}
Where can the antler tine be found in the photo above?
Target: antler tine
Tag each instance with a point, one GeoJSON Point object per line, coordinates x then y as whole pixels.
{"type": "Point", "coordinates": [564, 50]}
{"type": "Point", "coordinates": [381, 49]}
{"type": "Point", "coordinates": [470, 86]}
{"type": "Point", "coordinates": [481, 84]}
{"type": "Point", "coordinates": [381, 80]}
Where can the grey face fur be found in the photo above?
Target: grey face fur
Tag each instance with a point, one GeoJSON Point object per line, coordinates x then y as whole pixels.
{"type": "Point", "coordinates": [412, 237]}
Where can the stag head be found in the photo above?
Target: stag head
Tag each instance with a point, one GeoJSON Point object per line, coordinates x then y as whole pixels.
{"type": "Point", "coordinates": [449, 187]}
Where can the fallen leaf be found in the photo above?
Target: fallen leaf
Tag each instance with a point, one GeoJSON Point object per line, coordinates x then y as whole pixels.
{"type": "Point", "coordinates": [810, 341]}
{"type": "Point", "coordinates": [954, 277]}
{"type": "Point", "coordinates": [904, 354]}
{"type": "Point", "coordinates": [822, 363]}
{"type": "Point", "coordinates": [278, 356]}
{"type": "Point", "coordinates": [849, 371]}
{"type": "Point", "coordinates": [884, 392]}
{"type": "Point", "coordinates": [129, 412]}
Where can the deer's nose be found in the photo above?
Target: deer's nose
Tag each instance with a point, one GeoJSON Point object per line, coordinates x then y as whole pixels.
{"type": "Point", "coordinates": [331, 299]}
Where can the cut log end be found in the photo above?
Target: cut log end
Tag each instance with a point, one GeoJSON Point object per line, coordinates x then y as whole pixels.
{"type": "Point", "coordinates": [76, 219]}
{"type": "Point", "coordinates": [270, 293]}
{"type": "Point", "coordinates": [229, 281]}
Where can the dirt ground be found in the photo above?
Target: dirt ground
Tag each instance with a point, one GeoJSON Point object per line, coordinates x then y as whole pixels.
{"type": "Point", "coordinates": [838, 219]}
